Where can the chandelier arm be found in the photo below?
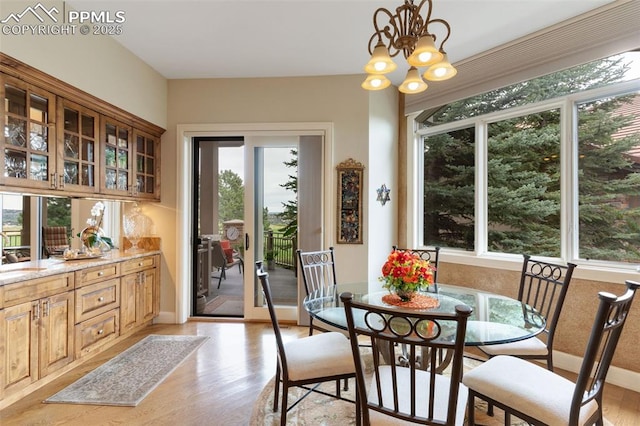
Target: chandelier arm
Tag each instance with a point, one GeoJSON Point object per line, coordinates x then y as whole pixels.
{"type": "Point", "coordinates": [446, 25]}
{"type": "Point", "coordinates": [385, 30]}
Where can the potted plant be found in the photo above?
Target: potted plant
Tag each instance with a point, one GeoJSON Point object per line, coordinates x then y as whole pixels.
{"type": "Point", "coordinates": [271, 260]}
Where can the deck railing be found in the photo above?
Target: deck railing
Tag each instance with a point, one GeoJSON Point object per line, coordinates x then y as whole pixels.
{"type": "Point", "coordinates": [281, 249]}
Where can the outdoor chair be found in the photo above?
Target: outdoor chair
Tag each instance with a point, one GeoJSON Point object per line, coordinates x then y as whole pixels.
{"type": "Point", "coordinates": [54, 240]}
{"type": "Point", "coordinates": [307, 361]}
{"type": "Point", "coordinates": [412, 391]}
{"type": "Point", "coordinates": [541, 397]}
{"type": "Point", "coordinates": [543, 286]}
{"type": "Point", "coordinates": [221, 262]}
{"type": "Point", "coordinates": [433, 256]}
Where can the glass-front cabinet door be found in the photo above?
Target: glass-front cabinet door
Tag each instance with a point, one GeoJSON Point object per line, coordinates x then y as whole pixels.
{"type": "Point", "coordinates": [147, 166]}
{"type": "Point", "coordinates": [116, 157]}
{"type": "Point", "coordinates": [28, 152]}
{"type": "Point", "coordinates": [78, 148]}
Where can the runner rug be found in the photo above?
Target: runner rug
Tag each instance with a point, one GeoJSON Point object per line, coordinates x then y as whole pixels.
{"type": "Point", "coordinates": [129, 377]}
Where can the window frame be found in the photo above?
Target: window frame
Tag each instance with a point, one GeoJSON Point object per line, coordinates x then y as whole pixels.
{"type": "Point", "coordinates": [569, 212]}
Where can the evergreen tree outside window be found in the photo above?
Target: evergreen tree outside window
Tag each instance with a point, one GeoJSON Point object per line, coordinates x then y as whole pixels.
{"type": "Point", "coordinates": [559, 167]}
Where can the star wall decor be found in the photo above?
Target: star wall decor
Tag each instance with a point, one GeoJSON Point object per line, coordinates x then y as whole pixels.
{"type": "Point", "coordinates": [383, 194]}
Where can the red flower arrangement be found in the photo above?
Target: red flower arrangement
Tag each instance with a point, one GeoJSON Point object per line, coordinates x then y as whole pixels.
{"type": "Point", "coordinates": [405, 273]}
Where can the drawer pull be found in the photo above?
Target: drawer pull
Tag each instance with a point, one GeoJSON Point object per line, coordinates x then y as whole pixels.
{"type": "Point", "coordinates": [100, 332]}
{"type": "Point", "coordinates": [141, 264]}
{"type": "Point", "coordinates": [100, 299]}
{"type": "Point", "coordinates": [101, 273]}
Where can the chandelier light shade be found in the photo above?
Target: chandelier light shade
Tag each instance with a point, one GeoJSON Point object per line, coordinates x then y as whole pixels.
{"type": "Point", "coordinates": [413, 83]}
{"type": "Point", "coordinates": [380, 62]}
{"type": "Point", "coordinates": [440, 71]}
{"type": "Point", "coordinates": [409, 30]}
{"type": "Point", "coordinates": [376, 82]}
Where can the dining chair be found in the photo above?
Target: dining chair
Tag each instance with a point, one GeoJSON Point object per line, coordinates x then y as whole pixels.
{"type": "Point", "coordinates": [543, 287]}
{"type": "Point", "coordinates": [307, 361]}
{"type": "Point", "coordinates": [319, 277]}
{"type": "Point", "coordinates": [542, 397]}
{"type": "Point", "coordinates": [433, 256]}
{"type": "Point", "coordinates": [413, 391]}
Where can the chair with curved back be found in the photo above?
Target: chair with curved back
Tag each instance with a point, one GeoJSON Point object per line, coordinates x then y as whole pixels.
{"type": "Point", "coordinates": [307, 361]}
{"type": "Point", "coordinates": [319, 276]}
{"type": "Point", "coordinates": [543, 286]}
{"type": "Point", "coordinates": [542, 397]}
{"type": "Point", "coordinates": [412, 391]}
{"type": "Point", "coordinates": [433, 256]}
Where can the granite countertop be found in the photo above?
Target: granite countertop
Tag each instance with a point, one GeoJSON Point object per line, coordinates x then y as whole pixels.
{"type": "Point", "coordinates": [22, 271]}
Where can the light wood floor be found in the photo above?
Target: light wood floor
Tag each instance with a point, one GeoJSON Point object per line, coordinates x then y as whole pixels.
{"type": "Point", "coordinates": [216, 386]}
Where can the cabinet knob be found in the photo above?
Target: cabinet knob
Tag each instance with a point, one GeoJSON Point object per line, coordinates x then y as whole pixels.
{"type": "Point", "coordinates": [140, 264]}
{"type": "Point", "coordinates": [100, 332]}
{"type": "Point", "coordinates": [100, 299]}
{"type": "Point", "coordinates": [101, 273]}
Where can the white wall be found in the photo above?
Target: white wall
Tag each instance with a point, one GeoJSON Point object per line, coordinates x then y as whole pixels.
{"type": "Point", "coordinates": [383, 160]}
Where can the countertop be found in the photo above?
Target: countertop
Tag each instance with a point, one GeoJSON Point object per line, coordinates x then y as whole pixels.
{"type": "Point", "coordinates": [22, 271]}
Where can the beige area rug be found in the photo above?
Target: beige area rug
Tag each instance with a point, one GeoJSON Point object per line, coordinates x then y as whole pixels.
{"type": "Point", "coordinates": [320, 410]}
{"type": "Point", "coordinates": [129, 377]}
{"type": "Point", "coordinates": [225, 305]}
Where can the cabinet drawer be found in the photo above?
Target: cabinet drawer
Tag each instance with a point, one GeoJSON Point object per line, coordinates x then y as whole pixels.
{"type": "Point", "coordinates": [139, 264]}
{"type": "Point", "coordinates": [97, 331]}
{"type": "Point", "coordinates": [97, 273]}
{"type": "Point", "coordinates": [94, 299]}
{"type": "Point", "coordinates": [26, 291]}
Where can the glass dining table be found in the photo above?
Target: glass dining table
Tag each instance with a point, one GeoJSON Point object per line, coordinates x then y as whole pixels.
{"type": "Point", "coordinates": [495, 318]}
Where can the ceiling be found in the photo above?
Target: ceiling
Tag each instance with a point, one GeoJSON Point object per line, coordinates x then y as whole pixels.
{"type": "Point", "coordinates": [261, 38]}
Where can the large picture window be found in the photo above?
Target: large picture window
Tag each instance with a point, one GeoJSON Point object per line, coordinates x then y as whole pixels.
{"type": "Point", "coordinates": [549, 167]}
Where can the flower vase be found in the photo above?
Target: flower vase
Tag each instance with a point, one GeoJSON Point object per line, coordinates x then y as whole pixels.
{"type": "Point", "coordinates": [405, 295]}
{"type": "Point", "coordinates": [91, 238]}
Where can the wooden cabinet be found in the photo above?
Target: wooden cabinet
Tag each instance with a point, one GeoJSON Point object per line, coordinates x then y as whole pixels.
{"type": "Point", "coordinates": [57, 137]}
{"type": "Point", "coordinates": [78, 148]}
{"type": "Point", "coordinates": [36, 336]}
{"type": "Point", "coordinates": [139, 293]}
{"type": "Point", "coordinates": [116, 147]}
{"type": "Point", "coordinates": [28, 142]}
{"type": "Point", "coordinates": [97, 313]}
{"type": "Point", "coordinates": [146, 166]}
{"type": "Point", "coordinates": [49, 325]}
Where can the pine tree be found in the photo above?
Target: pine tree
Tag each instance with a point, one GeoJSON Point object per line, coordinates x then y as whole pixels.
{"type": "Point", "coordinates": [524, 171]}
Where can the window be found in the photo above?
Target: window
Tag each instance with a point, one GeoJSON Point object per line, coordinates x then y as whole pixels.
{"type": "Point", "coordinates": [548, 167]}
{"type": "Point", "coordinates": [449, 174]}
{"type": "Point", "coordinates": [609, 178]}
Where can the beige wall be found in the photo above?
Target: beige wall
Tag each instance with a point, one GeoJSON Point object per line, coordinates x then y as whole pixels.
{"type": "Point", "coordinates": [336, 99]}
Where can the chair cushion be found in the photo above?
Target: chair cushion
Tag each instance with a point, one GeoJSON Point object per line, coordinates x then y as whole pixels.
{"type": "Point", "coordinates": [228, 253]}
{"type": "Point", "coordinates": [528, 388]}
{"type": "Point", "coordinates": [320, 355]}
{"type": "Point", "coordinates": [532, 346]}
{"type": "Point", "coordinates": [422, 390]}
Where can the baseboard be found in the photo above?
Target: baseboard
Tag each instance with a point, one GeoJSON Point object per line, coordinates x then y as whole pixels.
{"type": "Point", "coordinates": [617, 376]}
{"type": "Point", "coordinates": [165, 317]}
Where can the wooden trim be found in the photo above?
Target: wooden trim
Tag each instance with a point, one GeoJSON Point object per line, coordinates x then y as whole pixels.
{"type": "Point", "coordinates": [28, 74]}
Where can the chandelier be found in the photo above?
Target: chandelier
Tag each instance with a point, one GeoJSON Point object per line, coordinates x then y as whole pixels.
{"type": "Point", "coordinates": [407, 31]}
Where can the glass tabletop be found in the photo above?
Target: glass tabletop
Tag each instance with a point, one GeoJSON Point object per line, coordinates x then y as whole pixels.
{"type": "Point", "coordinates": [495, 318]}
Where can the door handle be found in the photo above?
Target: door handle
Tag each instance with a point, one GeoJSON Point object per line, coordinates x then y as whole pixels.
{"type": "Point", "coordinates": [246, 241]}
